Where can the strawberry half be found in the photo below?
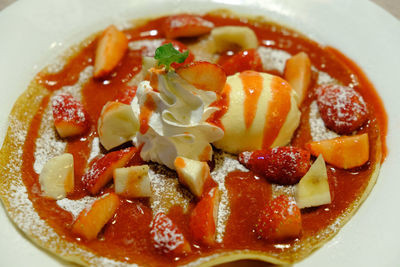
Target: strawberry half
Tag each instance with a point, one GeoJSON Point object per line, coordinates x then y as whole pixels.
{"type": "Point", "coordinates": [70, 118]}
{"type": "Point", "coordinates": [244, 60]}
{"type": "Point", "coordinates": [280, 220]}
{"type": "Point", "coordinates": [342, 108]}
{"type": "Point", "coordinates": [101, 171]}
{"type": "Point", "coordinates": [186, 25]}
{"type": "Point", "coordinates": [280, 165]}
{"type": "Point", "coordinates": [203, 219]}
{"type": "Point", "coordinates": [166, 236]}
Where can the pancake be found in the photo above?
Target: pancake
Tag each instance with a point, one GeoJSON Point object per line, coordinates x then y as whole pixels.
{"type": "Point", "coordinates": [32, 139]}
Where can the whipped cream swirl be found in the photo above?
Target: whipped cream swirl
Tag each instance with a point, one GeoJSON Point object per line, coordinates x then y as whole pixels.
{"type": "Point", "coordinates": [177, 122]}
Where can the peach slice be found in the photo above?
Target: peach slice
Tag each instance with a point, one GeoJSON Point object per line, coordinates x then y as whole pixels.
{"type": "Point", "coordinates": [203, 220]}
{"type": "Point", "coordinates": [204, 75]}
{"type": "Point", "coordinates": [298, 74]}
{"type": "Point", "coordinates": [117, 124]}
{"type": "Point", "coordinates": [192, 173]}
{"type": "Point", "coordinates": [101, 171]}
{"type": "Point", "coordinates": [186, 25]}
{"type": "Point", "coordinates": [91, 220]}
{"type": "Point", "coordinates": [132, 181]}
{"type": "Point", "coordinates": [57, 176]}
{"type": "Point", "coordinates": [70, 117]}
{"type": "Point", "coordinates": [344, 152]}
{"type": "Point", "coordinates": [111, 47]}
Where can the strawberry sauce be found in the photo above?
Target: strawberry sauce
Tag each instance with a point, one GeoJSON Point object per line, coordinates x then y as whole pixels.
{"type": "Point", "coordinates": [126, 237]}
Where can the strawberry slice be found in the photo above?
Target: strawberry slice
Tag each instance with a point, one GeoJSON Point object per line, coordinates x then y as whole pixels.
{"type": "Point", "coordinates": [342, 108]}
{"type": "Point", "coordinates": [204, 75]}
{"type": "Point", "coordinates": [344, 152]}
{"type": "Point", "coordinates": [111, 47]}
{"type": "Point", "coordinates": [280, 220]}
{"type": "Point", "coordinates": [101, 171]}
{"type": "Point", "coordinates": [244, 60]}
{"type": "Point", "coordinates": [185, 25]}
{"type": "Point", "coordinates": [280, 165]}
{"type": "Point", "coordinates": [70, 118]}
{"type": "Point", "coordinates": [181, 48]}
{"type": "Point", "coordinates": [203, 219]}
{"type": "Point", "coordinates": [91, 220]}
{"type": "Point", "coordinates": [166, 236]}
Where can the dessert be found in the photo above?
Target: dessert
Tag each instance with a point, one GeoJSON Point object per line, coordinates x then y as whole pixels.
{"type": "Point", "coordinates": [195, 150]}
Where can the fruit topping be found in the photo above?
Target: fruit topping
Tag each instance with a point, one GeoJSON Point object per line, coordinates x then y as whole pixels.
{"type": "Point", "coordinates": [117, 124]}
{"type": "Point", "coordinates": [166, 236]}
{"type": "Point", "coordinates": [344, 152]}
{"type": "Point", "coordinates": [101, 171]}
{"type": "Point", "coordinates": [185, 25]}
{"type": "Point", "coordinates": [91, 220]}
{"type": "Point", "coordinates": [204, 75]}
{"type": "Point", "coordinates": [280, 165]}
{"type": "Point", "coordinates": [57, 176]}
{"type": "Point", "coordinates": [298, 74]}
{"type": "Point", "coordinates": [181, 48]}
{"type": "Point", "coordinates": [234, 38]}
{"type": "Point", "coordinates": [313, 188]}
{"type": "Point", "coordinates": [132, 181]}
{"type": "Point", "coordinates": [241, 61]}
{"type": "Point", "coordinates": [280, 220]}
{"type": "Point", "coordinates": [203, 220]}
{"type": "Point", "coordinates": [111, 47]}
{"type": "Point", "coordinates": [342, 108]}
{"type": "Point", "coordinates": [70, 118]}
{"type": "Point", "coordinates": [192, 173]}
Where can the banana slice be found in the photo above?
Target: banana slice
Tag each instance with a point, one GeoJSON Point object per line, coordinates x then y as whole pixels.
{"type": "Point", "coordinates": [117, 124]}
{"type": "Point", "coordinates": [227, 37]}
{"type": "Point", "coordinates": [57, 176]}
{"type": "Point", "coordinates": [132, 181]}
{"type": "Point", "coordinates": [313, 188]}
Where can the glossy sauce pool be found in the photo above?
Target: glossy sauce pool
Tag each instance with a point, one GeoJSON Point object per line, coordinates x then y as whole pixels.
{"type": "Point", "coordinates": [126, 237]}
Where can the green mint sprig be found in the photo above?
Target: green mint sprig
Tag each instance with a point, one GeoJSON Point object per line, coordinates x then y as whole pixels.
{"type": "Point", "coordinates": [167, 54]}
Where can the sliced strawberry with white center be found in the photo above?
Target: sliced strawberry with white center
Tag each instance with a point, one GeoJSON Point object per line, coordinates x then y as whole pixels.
{"type": "Point", "coordinates": [70, 118]}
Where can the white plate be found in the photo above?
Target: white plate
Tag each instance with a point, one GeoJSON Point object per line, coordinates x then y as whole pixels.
{"type": "Point", "coordinates": [32, 33]}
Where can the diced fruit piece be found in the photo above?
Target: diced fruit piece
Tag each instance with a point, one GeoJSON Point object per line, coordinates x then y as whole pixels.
{"type": "Point", "coordinates": [203, 220]}
{"type": "Point", "coordinates": [298, 74]}
{"type": "Point", "coordinates": [313, 188]}
{"type": "Point", "coordinates": [192, 173]}
{"type": "Point", "coordinates": [280, 220]}
{"type": "Point", "coordinates": [91, 220]}
{"type": "Point", "coordinates": [101, 171]}
{"type": "Point", "coordinates": [70, 118]}
{"type": "Point", "coordinates": [57, 176]}
{"type": "Point", "coordinates": [204, 75]}
{"type": "Point", "coordinates": [181, 48]}
{"type": "Point", "coordinates": [244, 60]}
{"type": "Point", "coordinates": [280, 165]}
{"type": "Point", "coordinates": [166, 236]}
{"type": "Point", "coordinates": [344, 152]}
{"type": "Point", "coordinates": [127, 95]}
{"type": "Point", "coordinates": [230, 37]}
{"type": "Point", "coordinates": [132, 181]}
{"type": "Point", "coordinates": [342, 108]}
{"type": "Point", "coordinates": [117, 124]}
{"type": "Point", "coordinates": [186, 25]}
{"type": "Point", "coordinates": [111, 47]}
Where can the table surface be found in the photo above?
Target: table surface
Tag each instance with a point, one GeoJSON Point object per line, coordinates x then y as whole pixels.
{"type": "Point", "coordinates": [392, 6]}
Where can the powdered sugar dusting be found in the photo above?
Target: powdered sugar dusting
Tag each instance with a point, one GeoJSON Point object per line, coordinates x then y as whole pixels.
{"type": "Point", "coordinates": [76, 89]}
{"type": "Point", "coordinates": [224, 164]}
{"type": "Point", "coordinates": [273, 59]}
{"type": "Point", "coordinates": [166, 190]}
{"type": "Point", "coordinates": [75, 206]}
{"type": "Point", "coordinates": [318, 129]}
{"type": "Point", "coordinates": [149, 46]}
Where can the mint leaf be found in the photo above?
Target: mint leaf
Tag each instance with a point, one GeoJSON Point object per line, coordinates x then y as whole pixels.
{"type": "Point", "coordinates": [167, 54]}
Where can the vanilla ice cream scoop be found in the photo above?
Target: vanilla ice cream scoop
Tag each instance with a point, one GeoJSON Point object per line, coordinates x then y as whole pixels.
{"type": "Point", "coordinates": [261, 112]}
